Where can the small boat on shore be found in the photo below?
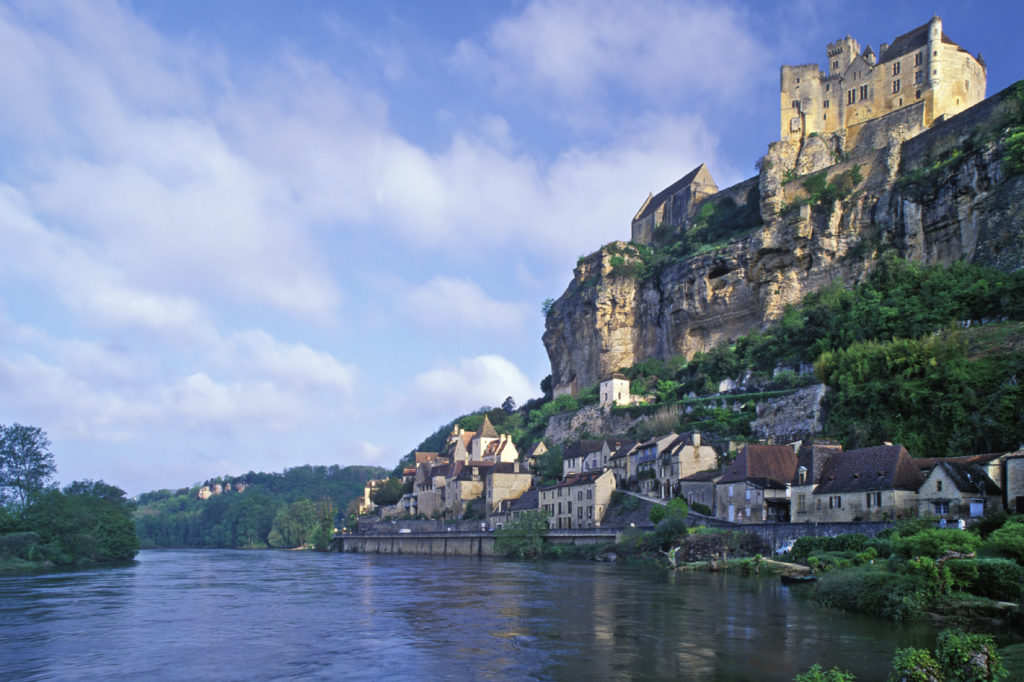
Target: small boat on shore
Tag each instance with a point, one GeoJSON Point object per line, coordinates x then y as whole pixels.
{"type": "Point", "coordinates": [797, 578]}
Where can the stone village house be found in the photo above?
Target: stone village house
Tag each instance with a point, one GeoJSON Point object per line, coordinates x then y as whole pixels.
{"type": "Point", "coordinates": [578, 500]}
{"type": "Point", "coordinates": [755, 487]}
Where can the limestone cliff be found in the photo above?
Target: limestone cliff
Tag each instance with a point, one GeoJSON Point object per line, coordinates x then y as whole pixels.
{"type": "Point", "coordinates": [934, 197]}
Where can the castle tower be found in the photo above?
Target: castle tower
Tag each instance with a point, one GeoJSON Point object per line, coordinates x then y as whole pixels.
{"type": "Point", "coordinates": [841, 54]}
{"type": "Point", "coordinates": [934, 64]}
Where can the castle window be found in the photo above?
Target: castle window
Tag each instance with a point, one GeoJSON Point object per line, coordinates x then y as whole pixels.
{"type": "Point", "coordinates": [895, 68]}
{"type": "Point", "coordinates": [824, 105]}
{"type": "Point", "coordinates": [919, 94]}
{"type": "Point", "coordinates": [919, 76]}
{"type": "Point", "coordinates": [795, 104]}
{"type": "Point", "coordinates": [967, 85]}
{"type": "Point", "coordinates": [835, 64]}
{"type": "Point", "coordinates": [797, 80]}
{"type": "Point", "coordinates": [827, 86]}
{"type": "Point", "coordinates": [918, 59]}
{"type": "Point", "coordinates": [863, 92]}
{"type": "Point", "coordinates": [896, 86]}
{"type": "Point", "coordinates": [851, 96]}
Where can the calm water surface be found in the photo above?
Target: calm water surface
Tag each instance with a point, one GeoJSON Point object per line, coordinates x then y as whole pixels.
{"type": "Point", "coordinates": [190, 614]}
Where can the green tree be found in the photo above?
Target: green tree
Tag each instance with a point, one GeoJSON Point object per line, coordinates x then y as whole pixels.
{"type": "Point", "coordinates": [387, 494]}
{"type": "Point", "coordinates": [293, 525]}
{"type": "Point", "coordinates": [524, 537]}
{"type": "Point", "coordinates": [26, 464]}
{"type": "Point", "coordinates": [79, 524]}
{"type": "Point", "coordinates": [325, 515]}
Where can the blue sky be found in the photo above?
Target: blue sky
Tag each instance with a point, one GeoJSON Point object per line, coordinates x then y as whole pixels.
{"type": "Point", "coordinates": [252, 235]}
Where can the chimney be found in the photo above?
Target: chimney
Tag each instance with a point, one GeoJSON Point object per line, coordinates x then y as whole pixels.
{"type": "Point", "coordinates": [515, 466]}
{"type": "Point", "coordinates": [696, 439]}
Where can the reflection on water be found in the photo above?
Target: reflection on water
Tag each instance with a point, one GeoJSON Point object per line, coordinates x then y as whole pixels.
{"type": "Point", "coordinates": [268, 615]}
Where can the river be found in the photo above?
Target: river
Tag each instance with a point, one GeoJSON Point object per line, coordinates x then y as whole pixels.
{"type": "Point", "coordinates": [232, 614]}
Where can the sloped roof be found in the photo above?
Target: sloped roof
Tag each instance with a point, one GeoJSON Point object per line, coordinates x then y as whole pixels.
{"type": "Point", "coordinates": [926, 464]}
{"type": "Point", "coordinates": [882, 467]}
{"type": "Point", "coordinates": [582, 449]}
{"type": "Point", "coordinates": [463, 471]}
{"type": "Point", "coordinates": [970, 478]}
{"type": "Point", "coordinates": [508, 468]}
{"type": "Point", "coordinates": [422, 457]}
{"type": "Point", "coordinates": [775, 462]}
{"type": "Point", "coordinates": [486, 429]}
{"type": "Point", "coordinates": [702, 477]}
{"type": "Point", "coordinates": [537, 449]}
{"type": "Point", "coordinates": [527, 500]}
{"type": "Point", "coordinates": [658, 199]}
{"type": "Point", "coordinates": [910, 41]}
{"type": "Point", "coordinates": [585, 478]}
{"type": "Point", "coordinates": [824, 449]}
{"type": "Point", "coordinates": [624, 449]}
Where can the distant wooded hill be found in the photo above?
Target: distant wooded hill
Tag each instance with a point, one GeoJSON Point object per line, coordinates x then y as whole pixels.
{"type": "Point", "coordinates": [283, 502]}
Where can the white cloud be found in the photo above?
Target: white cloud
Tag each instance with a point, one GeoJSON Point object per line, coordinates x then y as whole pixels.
{"type": "Point", "coordinates": [457, 303]}
{"type": "Point", "coordinates": [471, 383]}
{"type": "Point", "coordinates": [295, 365]}
{"type": "Point", "coordinates": [569, 51]}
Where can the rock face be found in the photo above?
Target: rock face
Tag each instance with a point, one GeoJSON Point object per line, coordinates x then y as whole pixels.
{"type": "Point", "coordinates": [593, 419]}
{"type": "Point", "coordinates": [608, 319]}
{"type": "Point", "coordinates": [790, 417]}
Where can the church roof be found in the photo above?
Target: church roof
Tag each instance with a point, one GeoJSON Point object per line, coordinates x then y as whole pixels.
{"type": "Point", "coordinates": [486, 429]}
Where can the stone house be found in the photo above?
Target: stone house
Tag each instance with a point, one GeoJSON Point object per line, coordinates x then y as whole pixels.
{"type": "Point", "coordinates": [510, 510]}
{"type": "Point", "coordinates": [623, 462]}
{"type": "Point", "coordinates": [878, 483]}
{"type": "Point", "coordinates": [1014, 481]}
{"type": "Point", "coordinates": [647, 457]}
{"type": "Point", "coordinates": [958, 490]}
{"type": "Point", "coordinates": [686, 455]}
{"type": "Point", "coordinates": [923, 71]}
{"type": "Point", "coordinates": [575, 457]}
{"type": "Point", "coordinates": [755, 487]}
{"type": "Point", "coordinates": [506, 481]}
{"type": "Point", "coordinates": [579, 500]}
{"type": "Point", "coordinates": [614, 390]}
{"type": "Point", "coordinates": [811, 460]}
{"type": "Point", "coordinates": [700, 487]}
{"type": "Point", "coordinates": [534, 453]}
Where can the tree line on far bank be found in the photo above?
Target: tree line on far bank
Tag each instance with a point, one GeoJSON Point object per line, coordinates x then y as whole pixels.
{"type": "Point", "coordinates": [298, 507]}
{"type": "Point", "coordinates": [41, 524]}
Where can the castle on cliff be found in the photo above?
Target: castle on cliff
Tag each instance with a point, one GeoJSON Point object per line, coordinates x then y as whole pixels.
{"type": "Point", "coordinates": [920, 79]}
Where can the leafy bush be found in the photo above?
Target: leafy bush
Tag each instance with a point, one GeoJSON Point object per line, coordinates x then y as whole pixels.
{"type": "Point", "coordinates": [701, 508]}
{"type": "Point", "coordinates": [20, 545]}
{"type": "Point", "coordinates": [998, 579]}
{"type": "Point", "coordinates": [674, 508]}
{"type": "Point", "coordinates": [873, 590]}
{"type": "Point", "coordinates": [964, 573]}
{"type": "Point", "coordinates": [635, 541]}
{"type": "Point", "coordinates": [817, 674]}
{"type": "Point", "coordinates": [914, 665]}
{"type": "Point", "coordinates": [936, 541]}
{"type": "Point", "coordinates": [669, 530]}
{"type": "Point", "coordinates": [968, 657]}
{"type": "Point", "coordinates": [1007, 541]}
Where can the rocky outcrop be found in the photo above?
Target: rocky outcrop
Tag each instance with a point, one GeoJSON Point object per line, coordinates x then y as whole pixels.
{"type": "Point", "coordinates": [609, 317]}
{"type": "Point", "coordinates": [792, 417]}
{"type": "Point", "coordinates": [593, 419]}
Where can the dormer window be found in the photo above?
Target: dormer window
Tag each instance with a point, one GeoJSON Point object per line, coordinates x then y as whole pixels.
{"type": "Point", "coordinates": [802, 475]}
{"type": "Point", "coordinates": [938, 486]}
